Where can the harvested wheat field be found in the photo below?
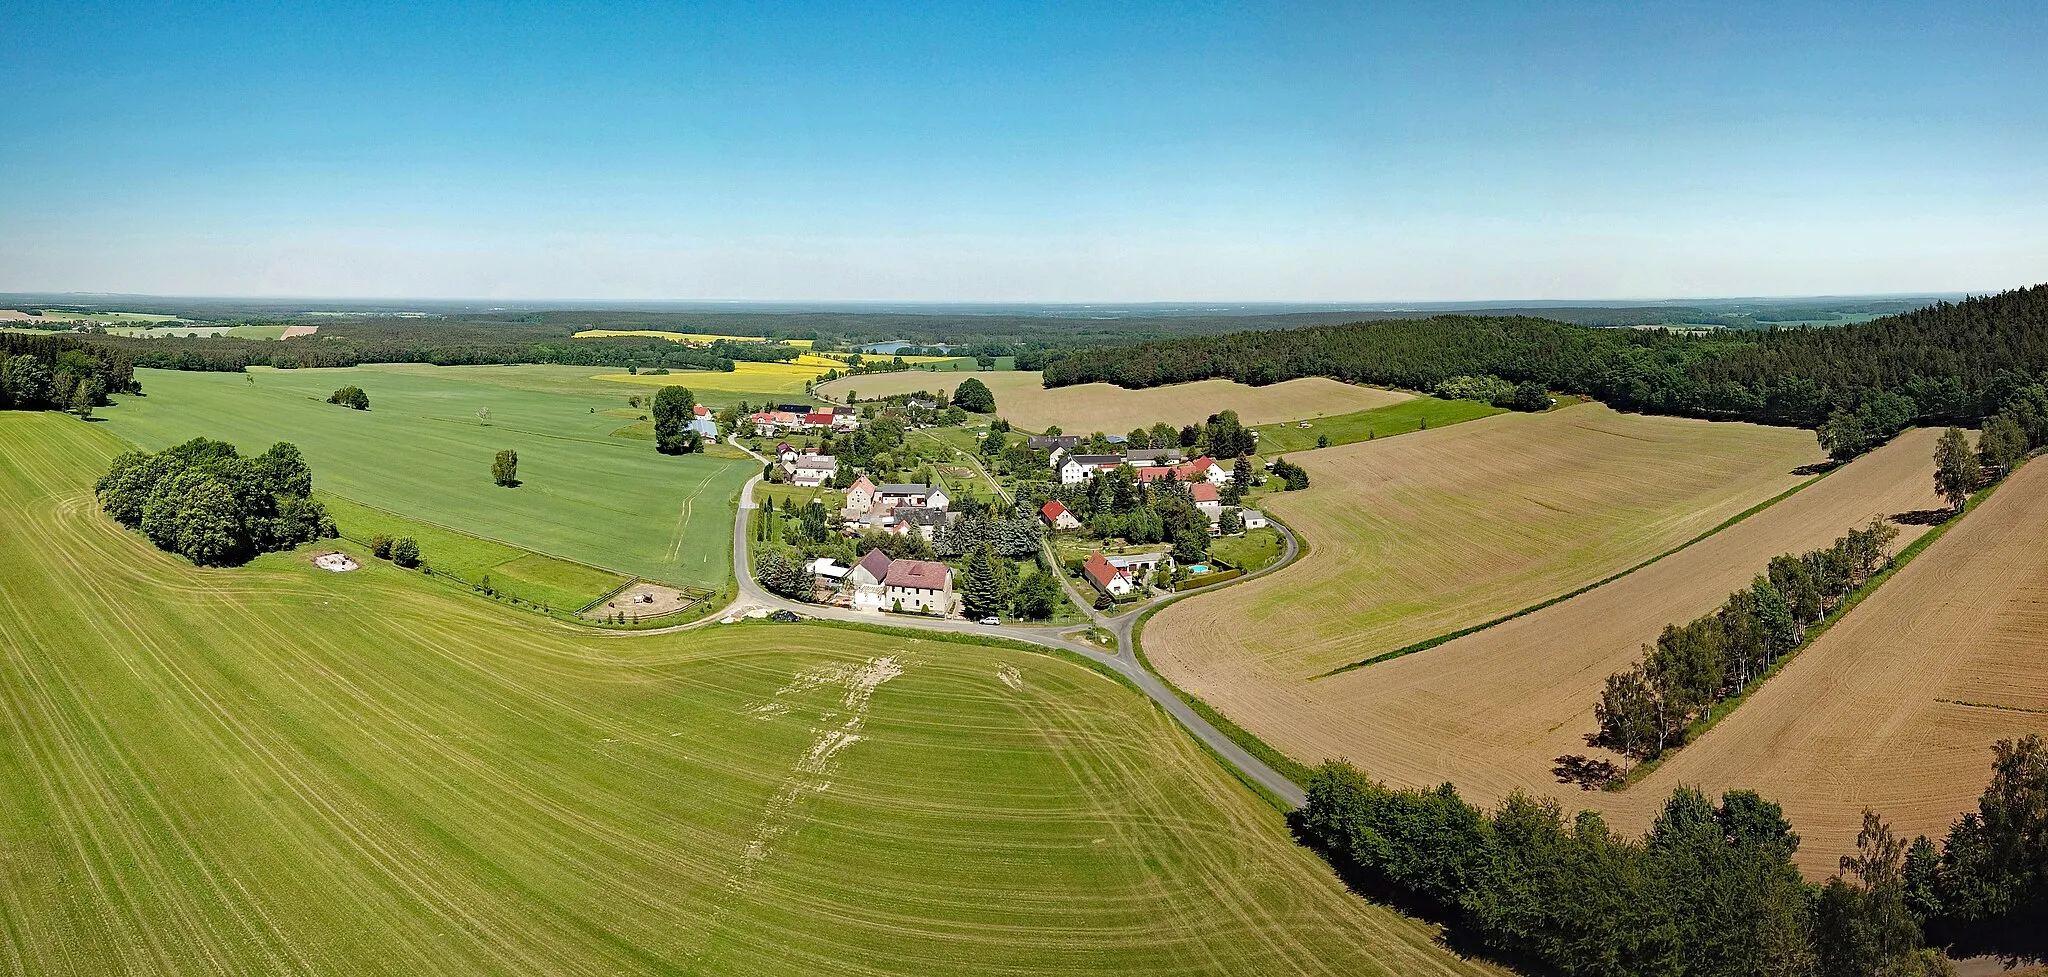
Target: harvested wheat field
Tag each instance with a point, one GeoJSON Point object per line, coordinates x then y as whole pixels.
{"type": "Point", "coordinates": [1897, 706]}
{"type": "Point", "coordinates": [1490, 711]}
{"type": "Point", "coordinates": [1023, 400]}
{"type": "Point", "coordinates": [1427, 533]}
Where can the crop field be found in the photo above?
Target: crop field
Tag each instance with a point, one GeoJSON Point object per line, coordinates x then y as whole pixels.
{"type": "Point", "coordinates": [686, 337]}
{"type": "Point", "coordinates": [1492, 710]}
{"type": "Point", "coordinates": [1422, 535]}
{"type": "Point", "coordinates": [1414, 414]}
{"type": "Point", "coordinates": [422, 451]}
{"type": "Point", "coordinates": [275, 769]}
{"type": "Point", "coordinates": [1896, 707]}
{"type": "Point", "coordinates": [1023, 400]}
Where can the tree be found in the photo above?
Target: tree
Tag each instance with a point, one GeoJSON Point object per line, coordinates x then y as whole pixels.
{"type": "Point", "coordinates": [1955, 468]}
{"type": "Point", "coordinates": [1530, 396]}
{"type": "Point", "coordinates": [2002, 443]}
{"type": "Point", "coordinates": [974, 395]}
{"type": "Point", "coordinates": [1190, 546]}
{"type": "Point", "coordinates": [405, 551]}
{"type": "Point", "coordinates": [351, 397]}
{"type": "Point", "coordinates": [783, 576]}
{"type": "Point", "coordinates": [204, 501]}
{"type": "Point", "coordinates": [673, 407]}
{"type": "Point", "coordinates": [1627, 714]}
{"type": "Point", "coordinates": [505, 468]}
{"type": "Point", "coordinates": [380, 546]}
{"type": "Point", "coordinates": [1229, 523]}
{"type": "Point", "coordinates": [82, 398]}
{"type": "Point", "coordinates": [1038, 597]}
{"type": "Point", "coordinates": [1864, 925]}
{"type": "Point", "coordinates": [982, 590]}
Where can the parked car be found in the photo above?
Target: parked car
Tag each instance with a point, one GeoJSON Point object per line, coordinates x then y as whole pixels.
{"type": "Point", "coordinates": [991, 619]}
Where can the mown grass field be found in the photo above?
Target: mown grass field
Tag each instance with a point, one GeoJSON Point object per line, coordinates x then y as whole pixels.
{"type": "Point", "coordinates": [1417, 414]}
{"type": "Point", "coordinates": [1023, 400]}
{"type": "Point", "coordinates": [549, 581]}
{"type": "Point", "coordinates": [277, 770]}
{"type": "Point", "coordinates": [422, 452]}
{"type": "Point", "coordinates": [1251, 551]}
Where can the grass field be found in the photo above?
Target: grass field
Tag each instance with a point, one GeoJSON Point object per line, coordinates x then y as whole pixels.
{"type": "Point", "coordinates": [1415, 414]}
{"type": "Point", "coordinates": [1416, 536]}
{"type": "Point", "coordinates": [1896, 707]}
{"type": "Point", "coordinates": [1023, 400]}
{"type": "Point", "coordinates": [257, 332]}
{"type": "Point", "coordinates": [277, 770]}
{"type": "Point", "coordinates": [422, 452]}
{"type": "Point", "coordinates": [1491, 710]}
{"type": "Point", "coordinates": [555, 583]}
{"type": "Point", "coordinates": [1248, 552]}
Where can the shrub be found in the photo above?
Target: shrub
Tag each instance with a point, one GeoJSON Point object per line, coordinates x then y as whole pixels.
{"type": "Point", "coordinates": [350, 397]}
{"type": "Point", "coordinates": [380, 546]}
{"type": "Point", "coordinates": [405, 552]}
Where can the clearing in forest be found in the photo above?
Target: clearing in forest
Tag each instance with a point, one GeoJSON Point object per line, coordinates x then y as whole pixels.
{"type": "Point", "coordinates": [274, 768]}
{"type": "Point", "coordinates": [1895, 708]}
{"type": "Point", "coordinates": [424, 452]}
{"type": "Point", "coordinates": [1023, 400]}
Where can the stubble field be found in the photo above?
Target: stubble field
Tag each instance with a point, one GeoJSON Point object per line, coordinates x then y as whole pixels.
{"type": "Point", "coordinates": [1023, 400]}
{"type": "Point", "coordinates": [278, 770]}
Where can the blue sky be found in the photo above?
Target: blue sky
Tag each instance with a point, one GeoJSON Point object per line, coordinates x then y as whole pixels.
{"type": "Point", "coordinates": [1042, 152]}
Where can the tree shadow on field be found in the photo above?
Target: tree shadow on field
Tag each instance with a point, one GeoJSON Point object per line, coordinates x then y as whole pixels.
{"type": "Point", "coordinates": [1817, 468]}
{"type": "Point", "coordinates": [1923, 517]}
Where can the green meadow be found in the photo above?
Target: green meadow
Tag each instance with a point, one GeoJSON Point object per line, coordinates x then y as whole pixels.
{"type": "Point", "coordinates": [423, 451]}
{"type": "Point", "coordinates": [273, 769]}
{"type": "Point", "coordinates": [1365, 425]}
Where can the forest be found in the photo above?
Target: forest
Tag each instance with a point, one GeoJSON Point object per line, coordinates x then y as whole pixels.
{"type": "Point", "coordinates": [60, 373]}
{"type": "Point", "coordinates": [1951, 362]}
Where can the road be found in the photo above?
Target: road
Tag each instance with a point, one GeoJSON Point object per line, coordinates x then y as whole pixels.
{"type": "Point", "coordinates": [1124, 660]}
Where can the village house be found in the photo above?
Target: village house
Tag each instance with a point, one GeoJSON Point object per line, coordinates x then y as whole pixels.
{"type": "Point", "coordinates": [1112, 580]}
{"type": "Point", "coordinates": [1052, 442]}
{"type": "Point", "coordinates": [768, 424]}
{"type": "Point", "coordinates": [1208, 500]}
{"type": "Point", "coordinates": [1203, 469]}
{"type": "Point", "coordinates": [1139, 563]}
{"type": "Point", "coordinates": [1252, 518]}
{"type": "Point", "coordinates": [1057, 516]}
{"type": "Point", "coordinates": [911, 495]}
{"type": "Point", "coordinates": [818, 420]}
{"type": "Point", "coordinates": [860, 496]}
{"type": "Point", "coordinates": [922, 586]}
{"type": "Point", "coordinates": [1149, 457]}
{"type": "Point", "coordinates": [867, 575]}
{"type": "Point", "coordinates": [812, 471]}
{"type": "Point", "coordinates": [924, 522]}
{"type": "Point", "coordinates": [703, 423]}
{"type": "Point", "coordinates": [1075, 469]}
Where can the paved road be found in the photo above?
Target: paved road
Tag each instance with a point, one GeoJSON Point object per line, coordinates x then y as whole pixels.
{"type": "Point", "coordinates": [1124, 660]}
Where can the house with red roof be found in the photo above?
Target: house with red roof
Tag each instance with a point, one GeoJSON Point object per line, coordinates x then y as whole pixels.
{"type": "Point", "coordinates": [1057, 516]}
{"type": "Point", "coordinates": [919, 586]}
{"type": "Point", "coordinates": [1203, 469]}
{"type": "Point", "coordinates": [1208, 500]}
{"type": "Point", "coordinates": [1112, 580]}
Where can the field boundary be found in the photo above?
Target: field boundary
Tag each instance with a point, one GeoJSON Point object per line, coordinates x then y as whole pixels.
{"type": "Point", "coordinates": [1726, 707]}
{"type": "Point", "coordinates": [1428, 643]}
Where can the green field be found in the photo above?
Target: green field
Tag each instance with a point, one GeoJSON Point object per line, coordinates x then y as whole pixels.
{"type": "Point", "coordinates": [1365, 425]}
{"type": "Point", "coordinates": [1251, 551]}
{"type": "Point", "coordinates": [257, 332]}
{"type": "Point", "coordinates": [553, 583]}
{"type": "Point", "coordinates": [277, 770]}
{"type": "Point", "coordinates": [421, 451]}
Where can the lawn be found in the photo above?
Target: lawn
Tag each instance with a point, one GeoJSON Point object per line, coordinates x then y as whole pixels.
{"type": "Point", "coordinates": [1251, 551]}
{"type": "Point", "coordinates": [1367, 425]}
{"type": "Point", "coordinates": [423, 452]}
{"type": "Point", "coordinates": [275, 769]}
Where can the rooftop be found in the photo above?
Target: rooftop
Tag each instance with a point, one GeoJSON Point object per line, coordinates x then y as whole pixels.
{"type": "Point", "coordinates": [918, 574]}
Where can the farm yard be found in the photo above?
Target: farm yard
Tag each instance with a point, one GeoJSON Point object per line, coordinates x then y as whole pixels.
{"type": "Point", "coordinates": [1023, 400]}
{"type": "Point", "coordinates": [279, 769]}
{"type": "Point", "coordinates": [423, 451]}
{"type": "Point", "coordinates": [1492, 710]}
{"type": "Point", "coordinates": [1896, 707]}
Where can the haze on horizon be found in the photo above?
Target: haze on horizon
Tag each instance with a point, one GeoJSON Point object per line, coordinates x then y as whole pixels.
{"type": "Point", "coordinates": [964, 153]}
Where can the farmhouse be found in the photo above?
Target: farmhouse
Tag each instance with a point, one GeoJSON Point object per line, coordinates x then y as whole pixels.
{"type": "Point", "coordinates": [815, 420]}
{"type": "Point", "coordinates": [812, 471]}
{"type": "Point", "coordinates": [924, 522]}
{"type": "Point", "coordinates": [1136, 563]}
{"type": "Point", "coordinates": [1202, 469]}
{"type": "Point", "coordinates": [768, 423]}
{"type": "Point", "coordinates": [1252, 518]}
{"type": "Point", "coordinates": [703, 423]}
{"type": "Point", "coordinates": [1208, 500]}
{"type": "Point", "coordinates": [868, 592]}
{"type": "Point", "coordinates": [1112, 580]}
{"type": "Point", "coordinates": [919, 585]}
{"type": "Point", "coordinates": [1075, 469]}
{"type": "Point", "coordinates": [860, 496]}
{"type": "Point", "coordinates": [1052, 442]}
{"type": "Point", "coordinates": [1057, 516]}
{"type": "Point", "coordinates": [912, 495]}
{"type": "Point", "coordinates": [1144, 457]}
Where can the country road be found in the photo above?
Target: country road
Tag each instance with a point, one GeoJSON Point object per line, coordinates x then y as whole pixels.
{"type": "Point", "coordinates": [1125, 660]}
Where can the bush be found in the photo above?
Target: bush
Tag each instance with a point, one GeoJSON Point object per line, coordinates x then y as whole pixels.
{"type": "Point", "coordinates": [505, 469]}
{"type": "Point", "coordinates": [405, 552]}
{"type": "Point", "coordinates": [1530, 397]}
{"type": "Point", "coordinates": [350, 397]}
{"type": "Point", "coordinates": [380, 546]}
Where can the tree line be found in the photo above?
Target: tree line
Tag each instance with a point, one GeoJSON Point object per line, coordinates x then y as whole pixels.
{"type": "Point", "coordinates": [1711, 890]}
{"type": "Point", "coordinates": [205, 502]}
{"type": "Point", "coordinates": [1952, 362]}
{"type": "Point", "coordinates": [232, 355]}
{"type": "Point", "coordinates": [60, 373]}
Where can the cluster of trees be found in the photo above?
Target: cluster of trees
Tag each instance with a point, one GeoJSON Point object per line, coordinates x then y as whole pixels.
{"type": "Point", "coordinates": [351, 397]}
{"type": "Point", "coordinates": [442, 346]}
{"type": "Point", "coordinates": [1290, 474]}
{"type": "Point", "coordinates": [1525, 396]}
{"type": "Point", "coordinates": [402, 550]}
{"type": "Point", "coordinates": [1710, 890]}
{"type": "Point", "coordinates": [1949, 362]}
{"type": "Point", "coordinates": [505, 469]}
{"type": "Point", "coordinates": [1646, 709]}
{"type": "Point", "coordinates": [1115, 505]}
{"type": "Point", "coordinates": [60, 373]}
{"type": "Point", "coordinates": [990, 584]}
{"type": "Point", "coordinates": [203, 501]}
{"type": "Point", "coordinates": [674, 408]}
{"type": "Point", "coordinates": [1015, 535]}
{"type": "Point", "coordinates": [973, 395]}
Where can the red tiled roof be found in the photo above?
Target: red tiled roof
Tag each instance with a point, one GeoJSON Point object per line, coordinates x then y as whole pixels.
{"type": "Point", "coordinates": [1156, 473]}
{"type": "Point", "coordinates": [1197, 469]}
{"type": "Point", "coordinates": [1205, 492]}
{"type": "Point", "coordinates": [1100, 571]}
{"type": "Point", "coordinates": [919, 574]}
{"type": "Point", "coordinates": [1053, 510]}
{"type": "Point", "coordinates": [701, 411]}
{"type": "Point", "coordinates": [818, 417]}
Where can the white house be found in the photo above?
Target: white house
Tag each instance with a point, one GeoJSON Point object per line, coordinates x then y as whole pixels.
{"type": "Point", "coordinates": [924, 586]}
{"type": "Point", "coordinates": [1137, 563]}
{"type": "Point", "coordinates": [1112, 580]}
{"type": "Point", "coordinates": [860, 495]}
{"type": "Point", "coordinates": [1201, 469]}
{"type": "Point", "coordinates": [703, 423]}
{"type": "Point", "coordinates": [869, 594]}
{"type": "Point", "coordinates": [1057, 516]}
{"type": "Point", "coordinates": [1252, 518]}
{"type": "Point", "coordinates": [1075, 469]}
{"type": "Point", "coordinates": [1208, 500]}
{"type": "Point", "coordinates": [812, 471]}
{"type": "Point", "coordinates": [911, 495]}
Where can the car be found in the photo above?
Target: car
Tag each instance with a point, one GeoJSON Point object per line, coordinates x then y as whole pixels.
{"type": "Point", "coordinates": [991, 619]}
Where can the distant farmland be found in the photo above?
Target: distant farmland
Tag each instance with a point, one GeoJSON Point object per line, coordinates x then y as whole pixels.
{"type": "Point", "coordinates": [275, 769]}
{"type": "Point", "coordinates": [423, 451]}
{"type": "Point", "coordinates": [1023, 400]}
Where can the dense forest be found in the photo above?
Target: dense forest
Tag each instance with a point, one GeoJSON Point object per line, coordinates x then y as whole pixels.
{"type": "Point", "coordinates": [1710, 890]}
{"type": "Point", "coordinates": [1949, 362]}
{"type": "Point", "coordinates": [60, 373]}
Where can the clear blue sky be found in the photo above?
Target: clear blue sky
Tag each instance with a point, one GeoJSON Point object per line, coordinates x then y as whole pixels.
{"type": "Point", "coordinates": [1036, 152]}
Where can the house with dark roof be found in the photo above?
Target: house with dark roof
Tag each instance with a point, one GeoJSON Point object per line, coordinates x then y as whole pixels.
{"type": "Point", "coordinates": [1147, 457]}
{"type": "Point", "coordinates": [913, 495]}
{"type": "Point", "coordinates": [924, 522]}
{"type": "Point", "coordinates": [867, 576]}
{"type": "Point", "coordinates": [1051, 442]}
